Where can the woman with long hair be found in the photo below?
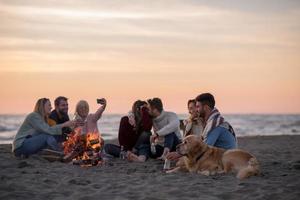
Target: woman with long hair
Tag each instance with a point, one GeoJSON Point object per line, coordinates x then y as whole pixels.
{"type": "Point", "coordinates": [89, 119]}
{"type": "Point", "coordinates": [194, 125]}
{"type": "Point", "coordinates": [35, 134]}
{"type": "Point", "coordinates": [134, 134]}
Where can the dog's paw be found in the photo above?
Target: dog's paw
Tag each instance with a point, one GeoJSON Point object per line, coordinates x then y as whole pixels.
{"type": "Point", "coordinates": [213, 173]}
{"type": "Point", "coordinates": [205, 172]}
{"type": "Point", "coordinates": [172, 170]}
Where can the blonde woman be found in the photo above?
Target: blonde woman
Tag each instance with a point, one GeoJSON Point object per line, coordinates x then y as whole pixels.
{"type": "Point", "coordinates": [90, 120]}
{"type": "Point", "coordinates": [35, 134]}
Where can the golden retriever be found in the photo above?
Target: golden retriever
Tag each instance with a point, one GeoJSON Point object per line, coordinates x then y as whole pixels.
{"type": "Point", "coordinates": [201, 158]}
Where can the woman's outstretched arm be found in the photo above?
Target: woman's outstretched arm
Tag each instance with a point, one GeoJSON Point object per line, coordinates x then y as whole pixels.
{"type": "Point", "coordinates": [97, 115]}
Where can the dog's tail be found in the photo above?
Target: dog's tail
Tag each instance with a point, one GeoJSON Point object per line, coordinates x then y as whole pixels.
{"type": "Point", "coordinates": [251, 169]}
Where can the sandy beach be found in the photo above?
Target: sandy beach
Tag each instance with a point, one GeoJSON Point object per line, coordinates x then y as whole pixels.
{"type": "Point", "coordinates": [36, 178]}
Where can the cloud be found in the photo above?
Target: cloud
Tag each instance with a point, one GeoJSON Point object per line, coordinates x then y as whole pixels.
{"type": "Point", "coordinates": [232, 48]}
{"type": "Point", "coordinates": [157, 33]}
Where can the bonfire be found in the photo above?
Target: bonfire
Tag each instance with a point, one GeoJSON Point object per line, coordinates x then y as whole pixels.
{"type": "Point", "coordinates": [83, 149]}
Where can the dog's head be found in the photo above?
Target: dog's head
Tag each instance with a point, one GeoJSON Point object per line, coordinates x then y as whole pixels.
{"type": "Point", "coordinates": [191, 145]}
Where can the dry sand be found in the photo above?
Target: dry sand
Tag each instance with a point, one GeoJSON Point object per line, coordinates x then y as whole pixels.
{"type": "Point", "coordinates": [36, 178]}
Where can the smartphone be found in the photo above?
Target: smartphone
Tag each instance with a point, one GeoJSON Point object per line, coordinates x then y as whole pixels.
{"type": "Point", "coordinates": [100, 101]}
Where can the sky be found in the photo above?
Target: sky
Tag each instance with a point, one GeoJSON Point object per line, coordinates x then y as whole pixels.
{"type": "Point", "coordinates": [246, 53]}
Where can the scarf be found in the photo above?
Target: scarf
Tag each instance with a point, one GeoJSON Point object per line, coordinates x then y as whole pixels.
{"type": "Point", "coordinates": [216, 119]}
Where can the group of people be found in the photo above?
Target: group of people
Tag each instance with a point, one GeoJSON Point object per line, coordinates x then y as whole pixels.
{"type": "Point", "coordinates": [147, 131]}
{"type": "Point", "coordinates": [46, 129]}
{"type": "Point", "coordinates": [136, 138]}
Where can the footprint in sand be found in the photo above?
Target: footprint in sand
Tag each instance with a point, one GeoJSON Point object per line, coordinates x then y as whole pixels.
{"type": "Point", "coordinates": [23, 164]}
{"type": "Point", "coordinates": [49, 181]}
{"type": "Point", "coordinates": [131, 171]}
{"type": "Point", "coordinates": [296, 166]}
{"type": "Point", "coordinates": [96, 186]}
{"type": "Point", "coordinates": [79, 182]}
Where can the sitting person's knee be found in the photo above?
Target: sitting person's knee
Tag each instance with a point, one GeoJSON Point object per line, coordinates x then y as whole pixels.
{"type": "Point", "coordinates": [50, 139]}
{"type": "Point", "coordinates": [170, 135]}
{"type": "Point", "coordinates": [107, 148]}
{"type": "Point", "coordinates": [142, 158]}
{"type": "Point", "coordinates": [112, 149]}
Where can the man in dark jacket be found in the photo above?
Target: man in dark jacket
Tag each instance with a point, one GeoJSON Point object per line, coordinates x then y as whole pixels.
{"type": "Point", "coordinates": [59, 116]}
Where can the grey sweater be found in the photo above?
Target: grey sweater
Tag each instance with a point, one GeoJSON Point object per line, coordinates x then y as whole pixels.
{"type": "Point", "coordinates": [34, 124]}
{"type": "Point", "coordinates": [166, 123]}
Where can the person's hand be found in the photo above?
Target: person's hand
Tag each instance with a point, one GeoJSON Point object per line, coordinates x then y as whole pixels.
{"type": "Point", "coordinates": [70, 123]}
{"type": "Point", "coordinates": [173, 156]}
{"type": "Point", "coordinates": [153, 137]}
{"type": "Point", "coordinates": [194, 117]}
{"type": "Point", "coordinates": [131, 120]}
{"type": "Point", "coordinates": [103, 101]}
{"type": "Point", "coordinates": [186, 121]}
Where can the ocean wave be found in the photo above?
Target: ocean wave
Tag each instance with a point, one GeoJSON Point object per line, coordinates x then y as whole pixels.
{"type": "Point", "coordinates": [6, 138]}
{"type": "Point", "coordinates": [291, 125]}
{"type": "Point", "coordinates": [244, 125]}
{"type": "Point", "coordinates": [5, 129]}
{"type": "Point", "coordinates": [296, 123]}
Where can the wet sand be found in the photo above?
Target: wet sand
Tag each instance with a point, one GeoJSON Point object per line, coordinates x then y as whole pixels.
{"type": "Point", "coordinates": [36, 178]}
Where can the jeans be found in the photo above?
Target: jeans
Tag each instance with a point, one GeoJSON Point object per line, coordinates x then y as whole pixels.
{"type": "Point", "coordinates": [60, 138]}
{"type": "Point", "coordinates": [171, 141]}
{"type": "Point", "coordinates": [34, 144]}
{"type": "Point", "coordinates": [144, 139]}
{"type": "Point", "coordinates": [112, 149]}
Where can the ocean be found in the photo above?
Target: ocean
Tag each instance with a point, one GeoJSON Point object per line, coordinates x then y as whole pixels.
{"type": "Point", "coordinates": [244, 125]}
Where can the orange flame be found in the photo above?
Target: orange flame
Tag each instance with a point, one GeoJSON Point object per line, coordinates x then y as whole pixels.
{"type": "Point", "coordinates": [89, 143]}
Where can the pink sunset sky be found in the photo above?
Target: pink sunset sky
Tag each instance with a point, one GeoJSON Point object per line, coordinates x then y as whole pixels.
{"type": "Point", "coordinates": [246, 53]}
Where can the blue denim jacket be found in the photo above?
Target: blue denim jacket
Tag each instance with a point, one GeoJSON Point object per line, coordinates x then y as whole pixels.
{"type": "Point", "coordinates": [222, 138]}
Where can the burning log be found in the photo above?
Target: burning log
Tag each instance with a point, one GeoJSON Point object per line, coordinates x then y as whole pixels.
{"type": "Point", "coordinates": [70, 156]}
{"type": "Point", "coordinates": [95, 141]}
{"type": "Point", "coordinates": [86, 163]}
{"type": "Point", "coordinates": [83, 150]}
